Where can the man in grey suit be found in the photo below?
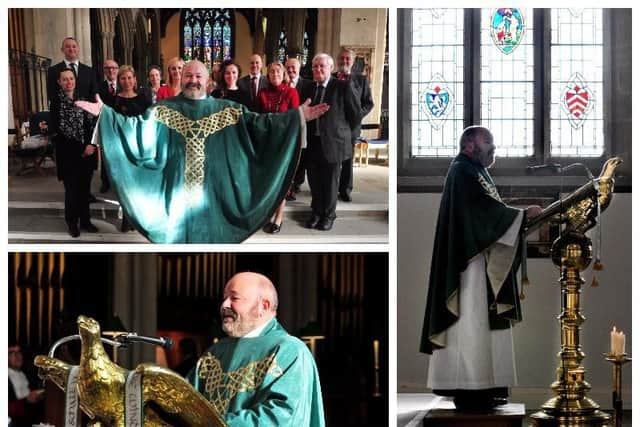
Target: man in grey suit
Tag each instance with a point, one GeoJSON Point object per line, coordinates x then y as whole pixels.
{"type": "Point", "coordinates": [363, 92]}
{"type": "Point", "coordinates": [254, 81]}
{"type": "Point", "coordinates": [328, 139]}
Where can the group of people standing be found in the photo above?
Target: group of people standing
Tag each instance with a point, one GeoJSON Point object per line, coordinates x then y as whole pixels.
{"type": "Point", "coordinates": [330, 138]}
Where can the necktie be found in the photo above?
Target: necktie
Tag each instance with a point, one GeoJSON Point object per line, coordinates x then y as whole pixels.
{"type": "Point", "coordinates": [112, 88]}
{"type": "Point", "coordinates": [344, 76]}
{"type": "Point", "coordinates": [317, 99]}
{"type": "Point", "coordinates": [254, 87]}
{"type": "Point", "coordinates": [73, 68]}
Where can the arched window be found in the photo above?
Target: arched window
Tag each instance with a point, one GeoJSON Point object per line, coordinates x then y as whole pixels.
{"type": "Point", "coordinates": [281, 53]}
{"type": "Point", "coordinates": [207, 35]}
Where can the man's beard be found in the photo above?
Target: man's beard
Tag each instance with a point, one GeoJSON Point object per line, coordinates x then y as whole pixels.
{"type": "Point", "coordinates": [239, 326]}
{"type": "Point", "coordinates": [345, 69]}
{"type": "Point", "coordinates": [485, 159]}
{"type": "Point", "coordinates": [188, 90]}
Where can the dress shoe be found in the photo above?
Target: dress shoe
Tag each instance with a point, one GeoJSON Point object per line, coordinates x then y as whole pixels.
{"type": "Point", "coordinates": [74, 231]}
{"type": "Point", "coordinates": [345, 197]}
{"type": "Point", "coordinates": [89, 227]}
{"type": "Point", "coordinates": [92, 198]}
{"type": "Point", "coordinates": [325, 224]}
{"type": "Point", "coordinates": [313, 221]}
{"type": "Point", "coordinates": [273, 228]}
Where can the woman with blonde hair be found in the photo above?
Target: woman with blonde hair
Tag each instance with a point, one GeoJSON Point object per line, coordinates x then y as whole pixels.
{"type": "Point", "coordinates": [277, 97]}
{"type": "Point", "coordinates": [174, 83]}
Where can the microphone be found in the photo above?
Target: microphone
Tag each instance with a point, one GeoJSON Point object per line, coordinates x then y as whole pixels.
{"type": "Point", "coordinates": [133, 337]}
{"type": "Point", "coordinates": [554, 167]}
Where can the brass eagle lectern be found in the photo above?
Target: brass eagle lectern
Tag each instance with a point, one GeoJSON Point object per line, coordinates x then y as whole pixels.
{"type": "Point", "coordinates": [104, 392]}
{"type": "Point", "coordinates": [572, 253]}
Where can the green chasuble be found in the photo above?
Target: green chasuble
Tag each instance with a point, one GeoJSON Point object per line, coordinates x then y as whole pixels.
{"type": "Point", "coordinates": [268, 380]}
{"type": "Point", "coordinates": [471, 219]}
{"type": "Point", "coordinates": [205, 171]}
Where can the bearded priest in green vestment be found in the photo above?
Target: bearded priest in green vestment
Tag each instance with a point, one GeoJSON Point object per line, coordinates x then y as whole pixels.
{"type": "Point", "coordinates": [473, 300]}
{"type": "Point", "coordinates": [194, 169]}
{"type": "Point", "coordinates": [259, 375]}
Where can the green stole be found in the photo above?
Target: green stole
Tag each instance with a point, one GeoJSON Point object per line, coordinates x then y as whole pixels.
{"type": "Point", "coordinates": [268, 380]}
{"type": "Point", "coordinates": [471, 219]}
{"type": "Point", "coordinates": [200, 171]}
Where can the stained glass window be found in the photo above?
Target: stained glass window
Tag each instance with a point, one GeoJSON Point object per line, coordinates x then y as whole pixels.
{"type": "Point", "coordinates": [437, 46]}
{"type": "Point", "coordinates": [282, 46]}
{"type": "Point", "coordinates": [507, 79]}
{"type": "Point", "coordinates": [207, 35]}
{"type": "Point", "coordinates": [305, 49]}
{"type": "Point", "coordinates": [576, 83]}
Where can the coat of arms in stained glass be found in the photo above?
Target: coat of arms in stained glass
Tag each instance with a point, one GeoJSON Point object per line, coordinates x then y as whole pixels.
{"type": "Point", "coordinates": [577, 100]}
{"type": "Point", "coordinates": [507, 29]}
{"type": "Point", "coordinates": [437, 101]}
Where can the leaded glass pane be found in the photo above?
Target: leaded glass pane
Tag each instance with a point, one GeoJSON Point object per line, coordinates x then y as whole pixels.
{"type": "Point", "coordinates": [207, 35]}
{"type": "Point", "coordinates": [507, 80]}
{"type": "Point", "coordinates": [282, 46]}
{"type": "Point", "coordinates": [226, 41]}
{"type": "Point", "coordinates": [577, 126]}
{"type": "Point", "coordinates": [437, 52]}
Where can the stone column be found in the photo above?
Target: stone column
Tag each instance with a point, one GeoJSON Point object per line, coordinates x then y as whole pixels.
{"type": "Point", "coordinates": [135, 302]}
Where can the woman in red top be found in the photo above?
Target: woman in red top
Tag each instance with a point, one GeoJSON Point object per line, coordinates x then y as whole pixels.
{"type": "Point", "coordinates": [174, 86]}
{"type": "Point", "coordinates": [277, 97]}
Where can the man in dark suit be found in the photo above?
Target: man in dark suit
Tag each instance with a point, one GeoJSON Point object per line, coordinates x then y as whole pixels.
{"type": "Point", "coordinates": [107, 90]}
{"type": "Point", "coordinates": [363, 93]}
{"type": "Point", "coordinates": [296, 81]}
{"type": "Point", "coordinates": [86, 85]}
{"type": "Point", "coordinates": [254, 81]}
{"type": "Point", "coordinates": [328, 139]}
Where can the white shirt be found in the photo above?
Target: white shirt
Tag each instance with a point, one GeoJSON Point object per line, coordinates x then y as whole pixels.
{"type": "Point", "coordinates": [256, 332]}
{"type": "Point", "coordinates": [20, 383]}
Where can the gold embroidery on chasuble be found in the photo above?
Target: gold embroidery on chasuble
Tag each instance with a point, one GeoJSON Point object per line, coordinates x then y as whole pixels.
{"type": "Point", "coordinates": [220, 387]}
{"type": "Point", "coordinates": [490, 188]}
{"type": "Point", "coordinates": [195, 133]}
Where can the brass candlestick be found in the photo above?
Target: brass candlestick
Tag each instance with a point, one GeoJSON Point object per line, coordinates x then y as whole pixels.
{"type": "Point", "coordinates": [570, 407]}
{"type": "Point", "coordinates": [617, 360]}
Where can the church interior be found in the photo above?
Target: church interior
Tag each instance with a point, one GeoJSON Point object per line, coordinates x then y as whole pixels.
{"type": "Point", "coordinates": [518, 93]}
{"type": "Point", "coordinates": [151, 37]}
{"type": "Point", "coordinates": [335, 303]}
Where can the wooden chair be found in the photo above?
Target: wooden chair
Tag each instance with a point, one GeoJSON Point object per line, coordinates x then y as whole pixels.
{"type": "Point", "coordinates": [377, 140]}
{"type": "Point", "coordinates": [32, 146]}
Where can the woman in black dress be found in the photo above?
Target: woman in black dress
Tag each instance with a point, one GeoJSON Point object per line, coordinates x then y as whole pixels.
{"type": "Point", "coordinates": [76, 157]}
{"type": "Point", "coordinates": [130, 103]}
{"type": "Point", "coordinates": [228, 85]}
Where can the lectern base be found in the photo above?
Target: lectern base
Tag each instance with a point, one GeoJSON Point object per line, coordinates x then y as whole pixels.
{"type": "Point", "coordinates": [594, 419]}
{"type": "Point", "coordinates": [510, 415]}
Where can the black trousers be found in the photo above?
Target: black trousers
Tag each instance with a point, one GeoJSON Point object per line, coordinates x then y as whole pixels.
{"type": "Point", "coordinates": [323, 180]}
{"type": "Point", "coordinates": [77, 186]}
{"type": "Point", "coordinates": [298, 178]}
{"type": "Point", "coordinates": [346, 175]}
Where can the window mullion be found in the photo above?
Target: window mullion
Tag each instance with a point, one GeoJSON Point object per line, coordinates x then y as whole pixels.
{"type": "Point", "coordinates": [472, 114]}
{"type": "Point", "coordinates": [542, 37]}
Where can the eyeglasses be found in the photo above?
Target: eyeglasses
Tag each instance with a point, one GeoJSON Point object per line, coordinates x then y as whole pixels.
{"type": "Point", "coordinates": [14, 352]}
{"type": "Point", "coordinates": [110, 68]}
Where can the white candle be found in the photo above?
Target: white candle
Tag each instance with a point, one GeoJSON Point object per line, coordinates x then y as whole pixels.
{"type": "Point", "coordinates": [376, 350]}
{"type": "Point", "coordinates": [617, 342]}
{"type": "Point", "coordinates": [613, 340]}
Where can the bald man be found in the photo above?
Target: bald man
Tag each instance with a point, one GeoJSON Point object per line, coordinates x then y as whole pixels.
{"type": "Point", "coordinates": [259, 375]}
{"type": "Point", "coordinates": [195, 169]}
{"type": "Point", "coordinates": [254, 81]}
